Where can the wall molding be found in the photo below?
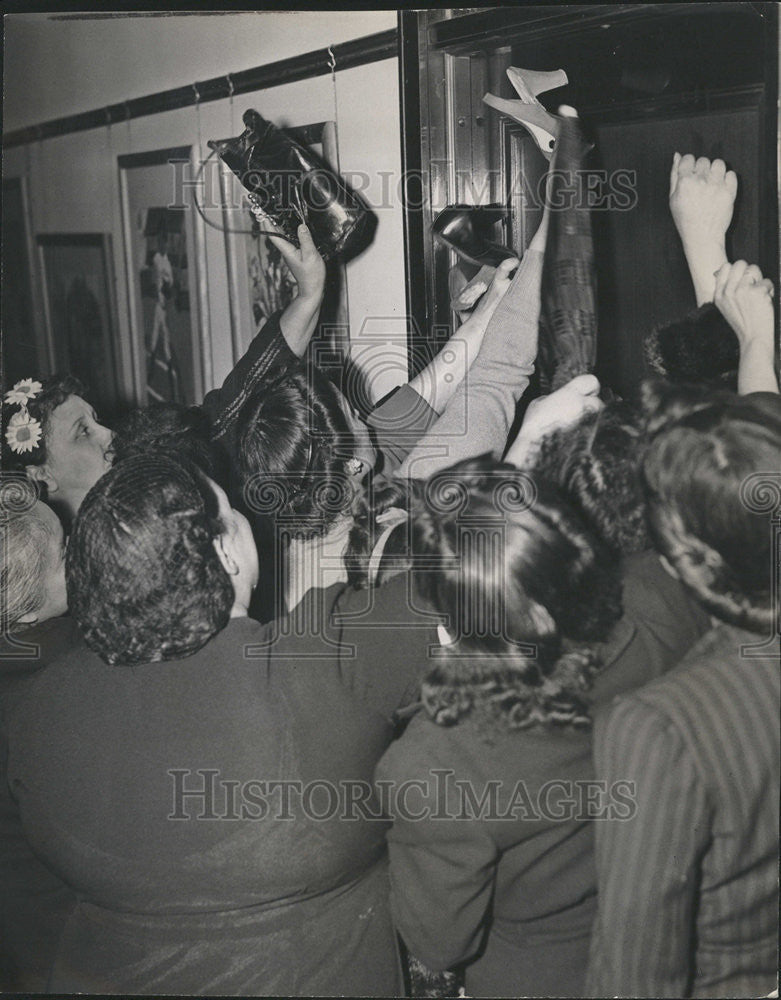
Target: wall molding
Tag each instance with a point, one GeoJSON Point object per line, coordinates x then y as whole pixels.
{"type": "Point", "coordinates": [318, 62]}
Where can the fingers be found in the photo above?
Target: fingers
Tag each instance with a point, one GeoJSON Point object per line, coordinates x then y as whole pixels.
{"type": "Point", "coordinates": [674, 172]}
{"type": "Point", "coordinates": [734, 277]}
{"type": "Point", "coordinates": [686, 165]}
{"type": "Point", "coordinates": [578, 397]}
{"type": "Point", "coordinates": [591, 404]}
{"type": "Point", "coordinates": [585, 385]}
{"type": "Point", "coordinates": [721, 279]}
{"type": "Point", "coordinates": [714, 171]}
{"type": "Point", "coordinates": [504, 269]}
{"type": "Point", "coordinates": [290, 250]}
{"type": "Point", "coordinates": [286, 248]}
{"type": "Point", "coordinates": [306, 241]}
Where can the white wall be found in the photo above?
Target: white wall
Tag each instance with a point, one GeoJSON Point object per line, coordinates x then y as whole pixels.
{"type": "Point", "coordinates": [57, 67]}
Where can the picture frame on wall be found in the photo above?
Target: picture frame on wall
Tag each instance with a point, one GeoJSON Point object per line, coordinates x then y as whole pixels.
{"type": "Point", "coordinates": [260, 281]}
{"type": "Point", "coordinates": [165, 266]}
{"type": "Point", "coordinates": [80, 312]}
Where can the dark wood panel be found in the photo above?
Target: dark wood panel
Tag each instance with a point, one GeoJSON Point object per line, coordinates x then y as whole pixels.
{"type": "Point", "coordinates": [647, 78]}
{"type": "Point", "coordinates": [643, 276]}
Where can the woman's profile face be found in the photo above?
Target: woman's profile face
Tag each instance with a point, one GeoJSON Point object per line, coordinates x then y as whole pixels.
{"type": "Point", "coordinates": [77, 449]}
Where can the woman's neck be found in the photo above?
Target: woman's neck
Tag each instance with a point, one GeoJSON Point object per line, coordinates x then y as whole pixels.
{"type": "Point", "coordinates": [316, 562]}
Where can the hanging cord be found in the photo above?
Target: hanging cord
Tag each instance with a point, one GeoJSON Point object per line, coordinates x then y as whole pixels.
{"type": "Point", "coordinates": [113, 195]}
{"type": "Point", "coordinates": [230, 102]}
{"type": "Point", "coordinates": [200, 137]}
{"type": "Point", "coordinates": [332, 67]}
{"type": "Point", "coordinates": [339, 336]}
{"type": "Point", "coordinates": [28, 160]}
{"type": "Point", "coordinates": [44, 187]}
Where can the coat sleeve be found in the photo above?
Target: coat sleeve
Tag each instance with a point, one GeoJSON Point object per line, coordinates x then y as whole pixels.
{"type": "Point", "coordinates": [647, 864]}
{"type": "Point", "coordinates": [398, 421]}
{"type": "Point", "coordinates": [442, 869]}
{"type": "Point", "coordinates": [479, 416]}
{"type": "Point", "coordinates": [268, 349]}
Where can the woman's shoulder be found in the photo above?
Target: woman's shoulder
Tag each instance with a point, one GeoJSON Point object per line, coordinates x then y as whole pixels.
{"type": "Point", "coordinates": [651, 593]}
{"type": "Point", "coordinates": [475, 749]}
{"type": "Point", "coordinates": [717, 678]}
{"type": "Point", "coordinates": [726, 659]}
{"type": "Point", "coordinates": [33, 648]}
{"type": "Point", "coordinates": [75, 671]}
{"type": "Point", "coordinates": [391, 603]}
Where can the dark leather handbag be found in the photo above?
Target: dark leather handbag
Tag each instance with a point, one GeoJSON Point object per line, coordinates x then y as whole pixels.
{"type": "Point", "coordinates": [291, 185]}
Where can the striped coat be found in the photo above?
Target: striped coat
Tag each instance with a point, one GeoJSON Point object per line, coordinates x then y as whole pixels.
{"type": "Point", "coordinates": [688, 888]}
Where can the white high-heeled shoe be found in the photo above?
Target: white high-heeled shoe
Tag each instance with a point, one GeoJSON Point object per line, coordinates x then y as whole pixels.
{"type": "Point", "coordinates": [527, 111]}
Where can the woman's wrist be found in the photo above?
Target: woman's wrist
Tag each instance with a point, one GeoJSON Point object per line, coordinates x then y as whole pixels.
{"type": "Point", "coordinates": [704, 262]}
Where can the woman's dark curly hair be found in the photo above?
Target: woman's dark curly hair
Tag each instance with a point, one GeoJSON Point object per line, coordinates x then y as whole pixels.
{"type": "Point", "coordinates": [144, 580]}
{"type": "Point", "coordinates": [56, 389]}
{"type": "Point", "coordinates": [711, 470]}
{"type": "Point", "coordinates": [596, 463]}
{"type": "Point", "coordinates": [183, 431]}
{"type": "Point", "coordinates": [523, 584]}
{"type": "Point", "coordinates": [293, 441]}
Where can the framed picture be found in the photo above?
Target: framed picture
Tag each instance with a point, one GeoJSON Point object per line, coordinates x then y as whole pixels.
{"type": "Point", "coordinates": [260, 281]}
{"type": "Point", "coordinates": [24, 349]}
{"type": "Point", "coordinates": [170, 350]}
{"type": "Point", "coordinates": [80, 311]}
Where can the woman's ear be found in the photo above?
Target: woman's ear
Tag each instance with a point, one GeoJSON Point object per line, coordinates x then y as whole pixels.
{"type": "Point", "coordinates": [42, 474]}
{"type": "Point", "coordinates": [29, 619]}
{"type": "Point", "coordinates": [229, 564]}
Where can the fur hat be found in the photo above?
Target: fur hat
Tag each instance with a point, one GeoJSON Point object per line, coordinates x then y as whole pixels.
{"type": "Point", "coordinates": [701, 347]}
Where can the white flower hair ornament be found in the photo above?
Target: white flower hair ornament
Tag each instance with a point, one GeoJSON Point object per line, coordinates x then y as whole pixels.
{"type": "Point", "coordinates": [23, 432]}
{"type": "Point", "coordinates": [23, 392]}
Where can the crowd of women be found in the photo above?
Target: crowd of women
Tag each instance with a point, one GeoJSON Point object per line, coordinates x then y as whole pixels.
{"type": "Point", "coordinates": [310, 705]}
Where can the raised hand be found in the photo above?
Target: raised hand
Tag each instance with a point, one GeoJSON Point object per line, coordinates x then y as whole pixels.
{"type": "Point", "coordinates": [561, 408]}
{"type": "Point", "coordinates": [299, 320]}
{"type": "Point", "coordinates": [745, 299]}
{"type": "Point", "coordinates": [486, 307]}
{"type": "Point", "coordinates": [306, 265]}
{"type": "Point", "coordinates": [702, 198]}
